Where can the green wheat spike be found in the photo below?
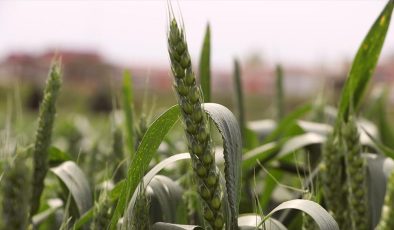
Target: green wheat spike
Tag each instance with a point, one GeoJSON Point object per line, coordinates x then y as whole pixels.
{"type": "Point", "coordinates": [140, 217]}
{"type": "Point", "coordinates": [44, 134]}
{"type": "Point", "coordinates": [333, 178]}
{"type": "Point", "coordinates": [387, 218]}
{"type": "Point", "coordinates": [196, 127]}
{"type": "Point", "coordinates": [356, 177]}
{"type": "Point", "coordinates": [102, 212]}
{"type": "Point", "coordinates": [16, 191]}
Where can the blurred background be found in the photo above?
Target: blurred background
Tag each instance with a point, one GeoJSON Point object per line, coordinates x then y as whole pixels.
{"type": "Point", "coordinates": [314, 41]}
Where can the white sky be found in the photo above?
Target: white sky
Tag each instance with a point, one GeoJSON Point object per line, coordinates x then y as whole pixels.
{"type": "Point", "coordinates": [134, 32]}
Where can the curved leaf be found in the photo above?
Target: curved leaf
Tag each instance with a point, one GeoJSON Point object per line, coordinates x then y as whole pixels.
{"type": "Point", "coordinates": [169, 226]}
{"type": "Point", "coordinates": [232, 150]}
{"type": "Point", "coordinates": [300, 141]}
{"type": "Point", "coordinates": [147, 148]}
{"type": "Point", "coordinates": [379, 169]}
{"type": "Point", "coordinates": [288, 123]}
{"type": "Point", "coordinates": [261, 153]}
{"type": "Point", "coordinates": [250, 221]}
{"type": "Point", "coordinates": [168, 195]}
{"type": "Point", "coordinates": [76, 182]}
{"type": "Point", "coordinates": [54, 205]}
{"type": "Point", "coordinates": [154, 171]}
{"type": "Point", "coordinates": [322, 218]}
{"type": "Point", "coordinates": [364, 64]}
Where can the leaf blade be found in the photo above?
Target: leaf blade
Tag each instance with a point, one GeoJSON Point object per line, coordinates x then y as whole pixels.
{"type": "Point", "coordinates": [148, 146]}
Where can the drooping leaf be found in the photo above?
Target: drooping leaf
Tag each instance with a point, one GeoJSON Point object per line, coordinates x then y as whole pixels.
{"type": "Point", "coordinates": [261, 153]}
{"type": "Point", "coordinates": [205, 66]}
{"type": "Point", "coordinates": [153, 172]}
{"type": "Point", "coordinates": [300, 141]}
{"type": "Point", "coordinates": [322, 218]}
{"type": "Point", "coordinates": [42, 216]}
{"type": "Point", "coordinates": [77, 184]}
{"type": "Point", "coordinates": [166, 197]}
{"type": "Point", "coordinates": [228, 127]}
{"type": "Point", "coordinates": [379, 169]}
{"type": "Point", "coordinates": [250, 221]}
{"type": "Point", "coordinates": [147, 148]}
{"type": "Point", "coordinates": [364, 64]}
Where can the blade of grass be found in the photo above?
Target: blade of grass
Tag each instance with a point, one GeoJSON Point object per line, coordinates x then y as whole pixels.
{"type": "Point", "coordinates": [127, 93]}
{"type": "Point", "coordinates": [147, 148]}
{"type": "Point", "coordinates": [205, 66]}
{"type": "Point", "coordinates": [240, 100]}
{"type": "Point", "coordinates": [364, 64]}
{"type": "Point", "coordinates": [279, 99]}
{"type": "Point", "coordinates": [76, 182]}
{"type": "Point", "coordinates": [322, 218]}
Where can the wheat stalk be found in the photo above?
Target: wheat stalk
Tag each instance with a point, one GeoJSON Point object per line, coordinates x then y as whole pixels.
{"type": "Point", "coordinates": [197, 130]}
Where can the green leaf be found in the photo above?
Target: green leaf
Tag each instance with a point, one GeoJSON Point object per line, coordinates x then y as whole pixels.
{"type": "Point", "coordinates": [299, 142]}
{"type": "Point", "coordinates": [147, 148]}
{"type": "Point", "coordinates": [261, 153]}
{"type": "Point", "coordinates": [239, 99]}
{"type": "Point", "coordinates": [379, 115]}
{"type": "Point", "coordinates": [77, 184]}
{"type": "Point", "coordinates": [57, 156]}
{"type": "Point", "coordinates": [288, 123]}
{"type": "Point", "coordinates": [322, 218]}
{"type": "Point", "coordinates": [228, 127]}
{"type": "Point", "coordinates": [127, 94]}
{"type": "Point", "coordinates": [205, 66]}
{"type": "Point", "coordinates": [364, 64]}
{"type": "Point", "coordinates": [388, 152]}
{"type": "Point", "coordinates": [251, 139]}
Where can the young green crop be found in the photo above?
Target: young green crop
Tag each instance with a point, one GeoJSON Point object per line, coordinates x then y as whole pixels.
{"type": "Point", "coordinates": [196, 127]}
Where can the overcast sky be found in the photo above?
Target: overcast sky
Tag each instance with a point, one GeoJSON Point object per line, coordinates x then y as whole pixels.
{"type": "Point", "coordinates": [134, 32]}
